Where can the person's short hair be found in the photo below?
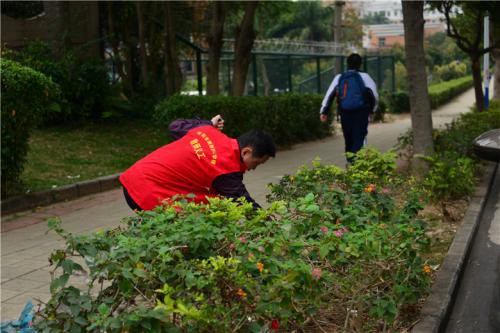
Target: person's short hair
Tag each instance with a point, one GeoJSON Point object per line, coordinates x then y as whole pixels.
{"type": "Point", "coordinates": [354, 61]}
{"type": "Point", "coordinates": [261, 142]}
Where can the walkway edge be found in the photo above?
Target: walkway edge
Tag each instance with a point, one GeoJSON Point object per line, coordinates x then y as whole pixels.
{"type": "Point", "coordinates": [63, 193]}
{"type": "Point", "coordinates": [437, 307]}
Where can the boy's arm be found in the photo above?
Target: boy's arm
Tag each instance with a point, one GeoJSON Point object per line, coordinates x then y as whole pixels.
{"type": "Point", "coordinates": [231, 186]}
{"type": "Point", "coordinates": [329, 96]}
{"type": "Point", "coordinates": [179, 127]}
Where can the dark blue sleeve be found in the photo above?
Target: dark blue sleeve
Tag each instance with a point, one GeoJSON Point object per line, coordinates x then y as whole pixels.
{"type": "Point", "coordinates": [179, 127]}
{"type": "Point", "coordinates": [231, 186]}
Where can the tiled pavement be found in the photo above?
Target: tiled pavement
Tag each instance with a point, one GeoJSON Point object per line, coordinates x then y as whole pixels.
{"type": "Point", "coordinates": [25, 245]}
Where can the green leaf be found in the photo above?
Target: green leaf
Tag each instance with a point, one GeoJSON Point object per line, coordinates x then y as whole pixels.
{"type": "Point", "coordinates": [59, 282]}
{"type": "Point", "coordinates": [323, 251]}
{"type": "Point", "coordinates": [103, 309]}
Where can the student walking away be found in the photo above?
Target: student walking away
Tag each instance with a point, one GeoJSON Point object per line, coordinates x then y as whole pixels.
{"type": "Point", "coordinates": [201, 161]}
{"type": "Point", "coordinates": [357, 100]}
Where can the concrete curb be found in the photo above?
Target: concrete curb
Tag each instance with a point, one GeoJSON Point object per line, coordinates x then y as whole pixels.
{"type": "Point", "coordinates": [63, 193]}
{"type": "Point", "coordinates": [437, 307]}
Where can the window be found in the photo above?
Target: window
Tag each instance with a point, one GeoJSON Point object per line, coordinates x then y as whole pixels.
{"type": "Point", "coordinates": [381, 41]}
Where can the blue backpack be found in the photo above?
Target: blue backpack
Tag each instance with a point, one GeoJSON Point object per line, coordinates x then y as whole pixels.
{"type": "Point", "coordinates": [351, 92]}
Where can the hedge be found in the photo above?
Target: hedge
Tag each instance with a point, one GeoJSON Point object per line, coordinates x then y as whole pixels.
{"type": "Point", "coordinates": [84, 84]}
{"type": "Point", "coordinates": [290, 118]}
{"type": "Point", "coordinates": [439, 94]}
{"type": "Point", "coordinates": [27, 97]}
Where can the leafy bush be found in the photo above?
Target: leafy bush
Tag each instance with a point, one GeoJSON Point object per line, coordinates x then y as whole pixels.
{"type": "Point", "coordinates": [400, 102]}
{"type": "Point", "coordinates": [453, 70]}
{"type": "Point", "coordinates": [453, 166]}
{"type": "Point", "coordinates": [84, 83]}
{"type": "Point", "coordinates": [451, 176]}
{"type": "Point", "coordinates": [290, 118]}
{"type": "Point", "coordinates": [27, 98]}
{"type": "Point", "coordinates": [439, 94]}
{"type": "Point", "coordinates": [335, 242]}
{"type": "Point", "coordinates": [442, 92]}
{"type": "Point", "coordinates": [460, 134]}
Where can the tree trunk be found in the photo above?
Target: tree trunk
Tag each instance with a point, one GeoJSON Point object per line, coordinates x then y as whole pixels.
{"type": "Point", "coordinates": [496, 77]}
{"type": "Point", "coordinates": [478, 89]}
{"type": "Point", "coordinates": [142, 44]}
{"type": "Point", "coordinates": [421, 118]}
{"type": "Point", "coordinates": [117, 57]}
{"type": "Point", "coordinates": [172, 69]}
{"type": "Point", "coordinates": [245, 36]}
{"type": "Point", "coordinates": [214, 40]}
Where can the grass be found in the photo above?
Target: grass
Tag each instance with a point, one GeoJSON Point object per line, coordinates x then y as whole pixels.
{"type": "Point", "coordinates": [64, 155]}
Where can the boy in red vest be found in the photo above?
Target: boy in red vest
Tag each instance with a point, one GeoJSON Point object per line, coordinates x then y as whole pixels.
{"type": "Point", "coordinates": [202, 161]}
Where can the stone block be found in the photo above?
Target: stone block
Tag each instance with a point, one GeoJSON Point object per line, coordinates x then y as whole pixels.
{"type": "Point", "coordinates": [40, 199]}
{"type": "Point", "coordinates": [109, 182]}
{"type": "Point", "coordinates": [65, 193]}
{"type": "Point", "coordinates": [14, 205]}
{"type": "Point", "coordinates": [88, 187]}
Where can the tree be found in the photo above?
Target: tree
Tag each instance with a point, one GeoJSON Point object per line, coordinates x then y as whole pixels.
{"type": "Point", "coordinates": [464, 22]}
{"type": "Point", "coordinates": [303, 20]}
{"type": "Point", "coordinates": [352, 31]}
{"type": "Point", "coordinates": [214, 41]}
{"type": "Point", "coordinates": [142, 43]}
{"type": "Point", "coordinates": [421, 119]}
{"type": "Point", "coordinates": [172, 67]}
{"type": "Point", "coordinates": [245, 36]}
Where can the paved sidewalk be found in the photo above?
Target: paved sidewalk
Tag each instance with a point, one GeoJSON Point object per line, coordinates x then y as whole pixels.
{"type": "Point", "coordinates": [25, 246]}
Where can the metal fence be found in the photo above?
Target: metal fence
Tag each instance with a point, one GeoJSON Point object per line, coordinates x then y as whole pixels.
{"type": "Point", "coordinates": [282, 71]}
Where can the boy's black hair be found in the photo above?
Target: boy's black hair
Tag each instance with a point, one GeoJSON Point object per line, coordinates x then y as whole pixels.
{"type": "Point", "coordinates": [261, 142]}
{"type": "Point", "coordinates": [354, 61]}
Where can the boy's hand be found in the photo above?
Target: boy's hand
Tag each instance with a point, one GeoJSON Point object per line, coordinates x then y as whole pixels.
{"type": "Point", "coordinates": [218, 122]}
{"type": "Point", "coordinates": [323, 118]}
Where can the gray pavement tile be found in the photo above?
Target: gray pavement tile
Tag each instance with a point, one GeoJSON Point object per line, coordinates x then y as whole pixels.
{"type": "Point", "coordinates": [19, 284]}
{"type": "Point", "coordinates": [8, 294]}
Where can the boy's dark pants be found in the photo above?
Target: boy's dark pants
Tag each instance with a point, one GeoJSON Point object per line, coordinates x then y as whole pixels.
{"type": "Point", "coordinates": [355, 128]}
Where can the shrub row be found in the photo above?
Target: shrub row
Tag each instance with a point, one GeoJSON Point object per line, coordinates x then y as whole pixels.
{"type": "Point", "coordinates": [289, 118]}
{"type": "Point", "coordinates": [27, 98]}
{"type": "Point", "coordinates": [331, 246]}
{"type": "Point", "coordinates": [439, 94]}
{"type": "Point", "coordinates": [84, 84]}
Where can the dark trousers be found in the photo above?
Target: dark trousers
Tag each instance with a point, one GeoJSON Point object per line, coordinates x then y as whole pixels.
{"type": "Point", "coordinates": [355, 128]}
{"type": "Point", "coordinates": [131, 203]}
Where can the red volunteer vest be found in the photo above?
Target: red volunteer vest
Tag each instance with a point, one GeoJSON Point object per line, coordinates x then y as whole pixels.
{"type": "Point", "coordinates": [186, 166]}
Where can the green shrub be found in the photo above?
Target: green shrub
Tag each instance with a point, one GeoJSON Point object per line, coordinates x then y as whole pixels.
{"type": "Point", "coordinates": [27, 97]}
{"type": "Point", "coordinates": [84, 84]}
{"type": "Point", "coordinates": [399, 102]}
{"type": "Point", "coordinates": [452, 167]}
{"type": "Point", "coordinates": [439, 94]}
{"type": "Point", "coordinates": [460, 134]}
{"type": "Point", "coordinates": [451, 176]}
{"type": "Point", "coordinates": [289, 118]}
{"type": "Point", "coordinates": [223, 268]}
{"type": "Point", "coordinates": [447, 72]}
{"type": "Point", "coordinates": [443, 92]}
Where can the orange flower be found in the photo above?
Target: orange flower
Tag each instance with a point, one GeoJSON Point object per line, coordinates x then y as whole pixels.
{"type": "Point", "coordinates": [427, 269]}
{"type": "Point", "coordinates": [241, 293]}
{"type": "Point", "coordinates": [370, 188]}
{"type": "Point", "coordinates": [260, 266]}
